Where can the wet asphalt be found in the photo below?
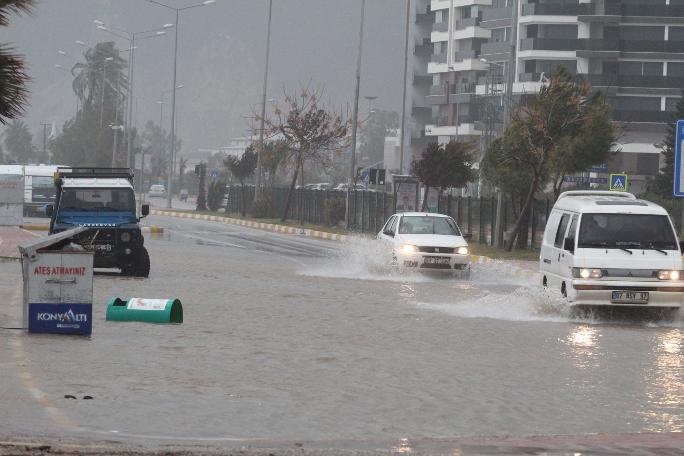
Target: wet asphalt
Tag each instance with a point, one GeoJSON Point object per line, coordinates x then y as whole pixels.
{"type": "Point", "coordinates": [289, 338]}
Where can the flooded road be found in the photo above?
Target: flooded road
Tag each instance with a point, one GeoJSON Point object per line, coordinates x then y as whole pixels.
{"type": "Point", "coordinates": [288, 337]}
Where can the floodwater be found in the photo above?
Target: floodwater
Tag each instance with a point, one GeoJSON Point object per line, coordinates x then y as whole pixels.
{"type": "Point", "coordinates": [286, 337]}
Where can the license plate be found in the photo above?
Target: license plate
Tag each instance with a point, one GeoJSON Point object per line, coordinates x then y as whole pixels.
{"type": "Point", "coordinates": [99, 247]}
{"type": "Point", "coordinates": [436, 260]}
{"type": "Point", "coordinates": [629, 297]}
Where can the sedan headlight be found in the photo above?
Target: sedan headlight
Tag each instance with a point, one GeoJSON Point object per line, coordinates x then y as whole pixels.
{"type": "Point", "coordinates": [408, 248]}
{"type": "Point", "coordinates": [669, 275]}
{"type": "Point", "coordinates": [125, 236]}
{"type": "Point", "coordinates": [462, 250]}
{"type": "Point", "coordinates": [587, 273]}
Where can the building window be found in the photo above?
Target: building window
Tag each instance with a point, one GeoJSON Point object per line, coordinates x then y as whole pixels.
{"type": "Point", "coordinates": [676, 34]}
{"type": "Point", "coordinates": [675, 69]}
{"type": "Point", "coordinates": [641, 68]}
{"type": "Point", "coordinates": [639, 33]}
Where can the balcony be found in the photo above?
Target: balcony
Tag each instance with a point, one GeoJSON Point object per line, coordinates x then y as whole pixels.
{"type": "Point", "coordinates": [668, 11]}
{"type": "Point", "coordinates": [548, 44]}
{"type": "Point", "coordinates": [555, 9]}
{"type": "Point", "coordinates": [439, 58]}
{"type": "Point", "coordinates": [493, 48]}
{"type": "Point", "coordinates": [465, 55]}
{"type": "Point", "coordinates": [465, 23]}
{"type": "Point", "coordinates": [650, 82]}
{"type": "Point", "coordinates": [440, 27]}
{"type": "Point", "coordinates": [598, 44]}
{"type": "Point", "coordinates": [671, 47]}
{"type": "Point", "coordinates": [497, 14]}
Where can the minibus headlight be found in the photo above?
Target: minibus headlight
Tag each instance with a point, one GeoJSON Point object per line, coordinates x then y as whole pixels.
{"type": "Point", "coordinates": [587, 273]}
{"type": "Point", "coordinates": [462, 251]}
{"type": "Point", "coordinates": [408, 248]}
{"type": "Point", "coordinates": [669, 275]}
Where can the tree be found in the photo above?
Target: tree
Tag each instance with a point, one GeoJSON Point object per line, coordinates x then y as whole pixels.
{"type": "Point", "coordinates": [242, 168]}
{"type": "Point", "coordinates": [310, 131]}
{"type": "Point", "coordinates": [663, 184]}
{"type": "Point", "coordinates": [273, 157]}
{"type": "Point", "coordinates": [512, 181]}
{"type": "Point", "coordinates": [545, 135]}
{"type": "Point", "coordinates": [19, 142]}
{"type": "Point", "coordinates": [13, 78]}
{"type": "Point", "coordinates": [87, 140]}
{"type": "Point", "coordinates": [159, 142]}
{"type": "Point", "coordinates": [443, 167]}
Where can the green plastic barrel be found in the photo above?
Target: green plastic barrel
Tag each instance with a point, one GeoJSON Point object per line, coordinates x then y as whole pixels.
{"type": "Point", "coordinates": [145, 310]}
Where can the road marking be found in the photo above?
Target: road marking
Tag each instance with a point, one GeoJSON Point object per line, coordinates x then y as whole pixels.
{"type": "Point", "coordinates": [25, 375]}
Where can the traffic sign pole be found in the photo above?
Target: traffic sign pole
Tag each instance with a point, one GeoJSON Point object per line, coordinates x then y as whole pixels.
{"type": "Point", "coordinates": [679, 137]}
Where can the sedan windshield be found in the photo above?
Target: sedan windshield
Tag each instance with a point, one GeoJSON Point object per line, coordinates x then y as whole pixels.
{"type": "Point", "coordinates": [428, 225]}
{"type": "Point", "coordinates": [96, 199]}
{"type": "Point", "coordinates": [624, 231]}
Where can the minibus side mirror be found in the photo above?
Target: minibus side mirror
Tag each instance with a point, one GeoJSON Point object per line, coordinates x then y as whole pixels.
{"type": "Point", "coordinates": [681, 246]}
{"type": "Point", "coordinates": [467, 236]}
{"type": "Point", "coordinates": [145, 210]}
{"type": "Point", "coordinates": [49, 209]}
{"type": "Point", "coordinates": [569, 244]}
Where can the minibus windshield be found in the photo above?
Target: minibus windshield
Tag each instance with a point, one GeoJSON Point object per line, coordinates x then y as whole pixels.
{"type": "Point", "coordinates": [624, 231]}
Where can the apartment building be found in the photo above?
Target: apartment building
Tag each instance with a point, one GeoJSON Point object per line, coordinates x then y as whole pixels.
{"type": "Point", "coordinates": [632, 50]}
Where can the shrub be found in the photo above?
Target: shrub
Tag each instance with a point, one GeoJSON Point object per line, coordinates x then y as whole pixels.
{"type": "Point", "coordinates": [335, 209]}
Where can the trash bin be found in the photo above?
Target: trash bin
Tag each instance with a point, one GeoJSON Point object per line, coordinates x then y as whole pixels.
{"type": "Point", "coordinates": [146, 310]}
{"type": "Point", "coordinates": [58, 285]}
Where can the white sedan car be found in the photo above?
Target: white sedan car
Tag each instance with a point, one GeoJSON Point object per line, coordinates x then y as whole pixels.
{"type": "Point", "coordinates": [426, 241]}
{"type": "Point", "coordinates": [157, 190]}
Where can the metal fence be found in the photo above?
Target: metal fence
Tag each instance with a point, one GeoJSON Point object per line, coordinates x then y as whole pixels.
{"type": "Point", "coordinates": [368, 211]}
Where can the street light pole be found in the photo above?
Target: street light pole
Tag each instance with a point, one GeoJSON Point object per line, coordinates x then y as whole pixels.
{"type": "Point", "coordinates": [257, 188]}
{"type": "Point", "coordinates": [510, 80]}
{"type": "Point", "coordinates": [172, 158]}
{"type": "Point", "coordinates": [403, 97]}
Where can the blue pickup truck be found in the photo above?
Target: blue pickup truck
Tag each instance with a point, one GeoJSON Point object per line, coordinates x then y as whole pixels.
{"type": "Point", "coordinates": [102, 199]}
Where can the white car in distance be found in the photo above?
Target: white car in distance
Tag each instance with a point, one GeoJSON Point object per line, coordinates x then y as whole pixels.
{"type": "Point", "coordinates": [157, 190]}
{"type": "Point", "coordinates": [426, 241]}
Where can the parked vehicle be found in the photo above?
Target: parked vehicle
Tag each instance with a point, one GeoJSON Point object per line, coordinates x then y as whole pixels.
{"type": "Point", "coordinates": [318, 186]}
{"type": "Point", "coordinates": [611, 249]}
{"type": "Point", "coordinates": [344, 187]}
{"type": "Point", "coordinates": [157, 190]}
{"type": "Point", "coordinates": [426, 241]}
{"type": "Point", "coordinates": [103, 200]}
{"type": "Point", "coordinates": [183, 194]}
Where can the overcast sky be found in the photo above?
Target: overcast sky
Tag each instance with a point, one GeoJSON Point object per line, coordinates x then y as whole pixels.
{"type": "Point", "coordinates": [221, 57]}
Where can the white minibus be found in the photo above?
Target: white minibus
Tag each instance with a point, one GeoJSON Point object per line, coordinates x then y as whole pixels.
{"type": "Point", "coordinates": [611, 249]}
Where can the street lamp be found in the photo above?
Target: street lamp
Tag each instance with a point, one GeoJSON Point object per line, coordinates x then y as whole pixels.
{"type": "Point", "coordinates": [131, 37]}
{"type": "Point", "coordinates": [173, 92]}
{"type": "Point", "coordinates": [257, 187]}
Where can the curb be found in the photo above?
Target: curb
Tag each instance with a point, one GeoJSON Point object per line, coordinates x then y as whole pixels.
{"type": "Point", "coordinates": [145, 229]}
{"type": "Point", "coordinates": [509, 269]}
{"type": "Point", "coordinates": [259, 225]}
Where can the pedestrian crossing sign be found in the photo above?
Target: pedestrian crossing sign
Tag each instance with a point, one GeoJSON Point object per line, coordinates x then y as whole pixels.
{"type": "Point", "coordinates": [618, 182]}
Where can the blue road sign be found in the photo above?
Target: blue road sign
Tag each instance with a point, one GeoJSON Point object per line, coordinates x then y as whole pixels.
{"type": "Point", "coordinates": [365, 175]}
{"type": "Point", "coordinates": [618, 182]}
{"type": "Point", "coordinates": [214, 174]}
{"type": "Point", "coordinates": [679, 137]}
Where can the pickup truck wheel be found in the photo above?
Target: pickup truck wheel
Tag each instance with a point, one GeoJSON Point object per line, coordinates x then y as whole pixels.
{"type": "Point", "coordinates": [142, 267]}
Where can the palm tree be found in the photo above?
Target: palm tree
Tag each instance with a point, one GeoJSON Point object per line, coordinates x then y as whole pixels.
{"type": "Point", "coordinates": [13, 78]}
{"type": "Point", "coordinates": [19, 141]}
{"type": "Point", "coordinates": [97, 74]}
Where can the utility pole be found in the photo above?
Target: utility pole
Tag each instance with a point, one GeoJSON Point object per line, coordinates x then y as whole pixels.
{"type": "Point", "coordinates": [257, 188]}
{"type": "Point", "coordinates": [355, 112]}
{"type": "Point", "coordinates": [45, 127]}
{"type": "Point", "coordinates": [403, 98]}
{"type": "Point", "coordinates": [510, 80]}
